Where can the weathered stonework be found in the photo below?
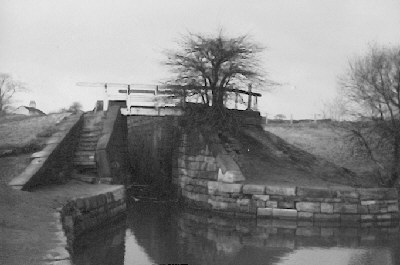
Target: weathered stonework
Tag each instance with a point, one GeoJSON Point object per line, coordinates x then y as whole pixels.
{"type": "Point", "coordinates": [83, 214]}
{"type": "Point", "coordinates": [208, 179]}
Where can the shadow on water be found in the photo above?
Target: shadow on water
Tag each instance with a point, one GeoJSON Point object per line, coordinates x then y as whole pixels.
{"type": "Point", "coordinates": [162, 234]}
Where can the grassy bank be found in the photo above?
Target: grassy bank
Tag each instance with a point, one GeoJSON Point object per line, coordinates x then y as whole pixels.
{"type": "Point", "coordinates": [328, 142]}
{"type": "Point", "coordinates": [20, 136]}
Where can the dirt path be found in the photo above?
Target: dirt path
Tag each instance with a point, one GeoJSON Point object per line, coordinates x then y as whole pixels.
{"type": "Point", "coordinates": [28, 224]}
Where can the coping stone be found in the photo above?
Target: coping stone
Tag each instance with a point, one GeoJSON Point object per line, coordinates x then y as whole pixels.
{"type": "Point", "coordinates": [254, 189]}
{"type": "Point", "coordinates": [280, 190]}
{"type": "Point", "coordinates": [28, 173]}
{"type": "Point", "coordinates": [264, 211]}
{"type": "Point", "coordinates": [284, 213]}
{"type": "Point", "coordinates": [312, 207]}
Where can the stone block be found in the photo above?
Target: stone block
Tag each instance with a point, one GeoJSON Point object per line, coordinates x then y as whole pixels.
{"type": "Point", "coordinates": [194, 165]}
{"type": "Point", "coordinates": [253, 189]}
{"type": "Point", "coordinates": [181, 163]}
{"type": "Point", "coordinates": [211, 167]}
{"type": "Point", "coordinates": [188, 187]}
{"type": "Point", "coordinates": [312, 207]}
{"type": "Point", "coordinates": [315, 192]}
{"type": "Point", "coordinates": [222, 199]}
{"type": "Point", "coordinates": [230, 188]}
{"type": "Point", "coordinates": [370, 202]}
{"type": "Point", "coordinates": [261, 197]}
{"type": "Point", "coordinates": [350, 218]}
{"type": "Point", "coordinates": [326, 207]}
{"type": "Point", "coordinates": [344, 208]}
{"type": "Point", "coordinates": [383, 210]}
{"type": "Point", "coordinates": [119, 194]}
{"type": "Point", "coordinates": [264, 212]}
{"type": "Point", "coordinates": [284, 213]}
{"type": "Point", "coordinates": [305, 216]}
{"type": "Point", "coordinates": [221, 206]}
{"type": "Point", "coordinates": [260, 204]}
{"type": "Point", "coordinates": [280, 190]}
{"type": "Point", "coordinates": [230, 176]}
{"type": "Point", "coordinates": [286, 204]}
{"type": "Point", "coordinates": [367, 217]}
{"type": "Point", "coordinates": [192, 173]}
{"type": "Point", "coordinates": [373, 208]}
{"type": "Point", "coordinates": [243, 201]}
{"type": "Point", "coordinates": [210, 175]}
{"type": "Point", "coordinates": [323, 217]}
{"type": "Point", "coordinates": [378, 194]}
{"type": "Point", "coordinates": [361, 209]}
{"type": "Point", "coordinates": [383, 217]}
{"type": "Point", "coordinates": [347, 193]}
{"type": "Point", "coordinates": [271, 204]}
{"type": "Point", "coordinates": [393, 208]}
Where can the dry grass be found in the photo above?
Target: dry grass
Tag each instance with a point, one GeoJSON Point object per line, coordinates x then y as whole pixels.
{"type": "Point", "coordinates": [325, 141]}
{"type": "Point", "coordinates": [19, 136]}
{"type": "Point", "coordinates": [18, 132]}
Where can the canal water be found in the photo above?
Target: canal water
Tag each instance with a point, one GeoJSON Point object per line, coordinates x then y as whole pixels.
{"type": "Point", "coordinates": [160, 233]}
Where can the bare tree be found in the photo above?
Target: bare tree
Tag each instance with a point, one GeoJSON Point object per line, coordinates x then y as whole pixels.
{"type": "Point", "coordinates": [215, 63]}
{"type": "Point", "coordinates": [8, 88]}
{"type": "Point", "coordinates": [75, 107]}
{"type": "Point", "coordinates": [372, 85]}
{"type": "Point", "coordinates": [280, 117]}
{"type": "Point", "coordinates": [336, 109]}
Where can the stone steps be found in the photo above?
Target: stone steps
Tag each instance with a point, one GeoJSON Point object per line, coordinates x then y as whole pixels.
{"type": "Point", "coordinates": [84, 157]}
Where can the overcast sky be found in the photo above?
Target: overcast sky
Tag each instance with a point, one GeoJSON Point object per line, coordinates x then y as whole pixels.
{"type": "Point", "coordinates": [52, 44]}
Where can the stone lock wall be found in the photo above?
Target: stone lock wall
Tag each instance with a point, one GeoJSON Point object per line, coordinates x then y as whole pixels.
{"type": "Point", "coordinates": [112, 148]}
{"type": "Point", "coordinates": [207, 177]}
{"type": "Point", "coordinates": [80, 215]}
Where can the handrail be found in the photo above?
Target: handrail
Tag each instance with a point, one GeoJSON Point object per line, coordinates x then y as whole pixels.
{"type": "Point", "coordinates": [156, 90]}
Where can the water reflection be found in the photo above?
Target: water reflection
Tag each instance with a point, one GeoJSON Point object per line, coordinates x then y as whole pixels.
{"type": "Point", "coordinates": [160, 234]}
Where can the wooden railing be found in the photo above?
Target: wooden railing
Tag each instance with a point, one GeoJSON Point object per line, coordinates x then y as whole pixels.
{"type": "Point", "coordinates": [156, 96]}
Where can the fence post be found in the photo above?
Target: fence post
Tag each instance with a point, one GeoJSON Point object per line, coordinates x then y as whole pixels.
{"type": "Point", "coordinates": [105, 101]}
{"type": "Point", "coordinates": [249, 99]}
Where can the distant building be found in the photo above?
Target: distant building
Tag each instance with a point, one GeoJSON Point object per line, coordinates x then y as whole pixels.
{"type": "Point", "coordinates": [30, 111]}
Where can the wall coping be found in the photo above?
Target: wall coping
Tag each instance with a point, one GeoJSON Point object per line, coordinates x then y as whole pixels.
{"type": "Point", "coordinates": [39, 159]}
